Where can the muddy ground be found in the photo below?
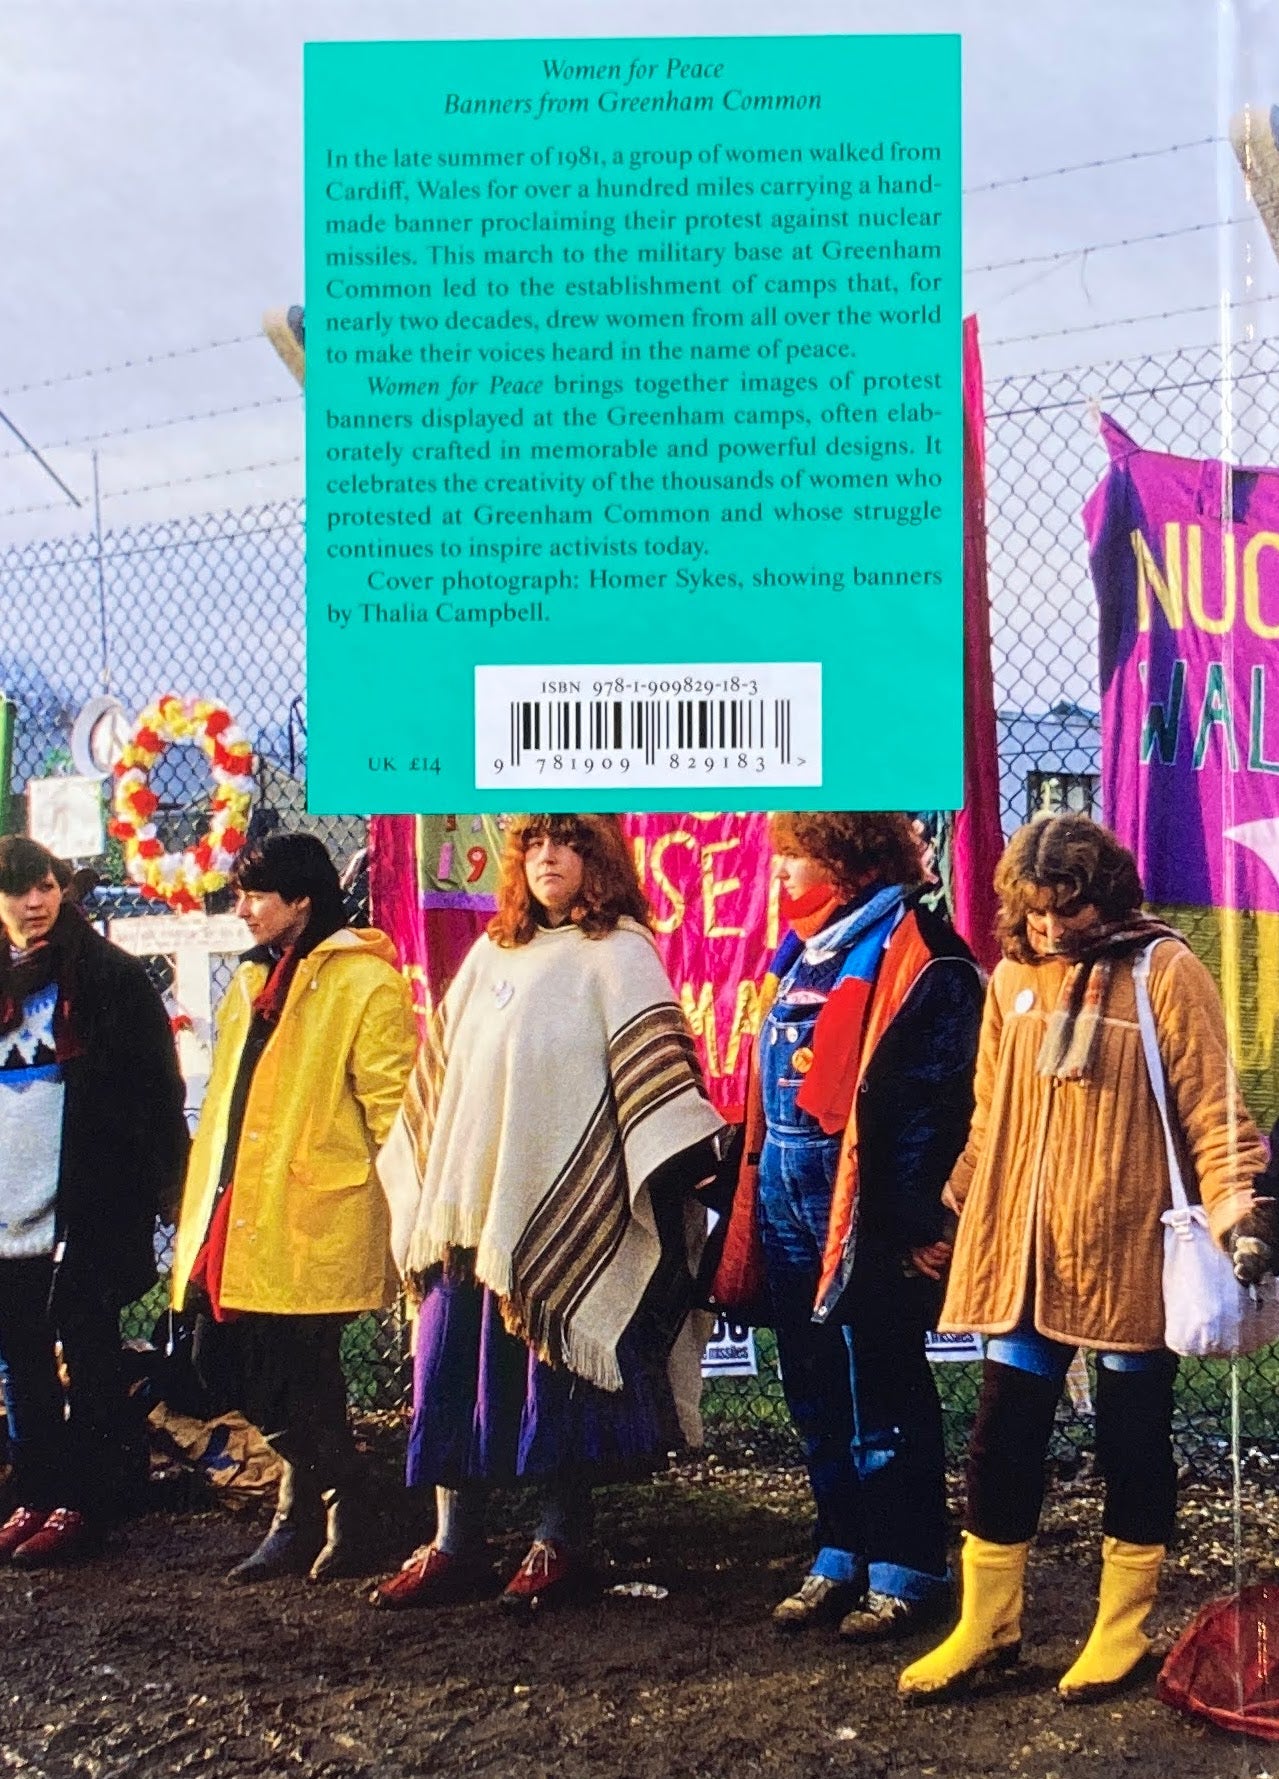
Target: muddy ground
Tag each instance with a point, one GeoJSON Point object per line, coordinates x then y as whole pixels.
{"type": "Point", "coordinates": [143, 1662]}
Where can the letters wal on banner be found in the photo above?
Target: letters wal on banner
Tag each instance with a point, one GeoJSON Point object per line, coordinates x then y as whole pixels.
{"type": "Point", "coordinates": [1185, 562]}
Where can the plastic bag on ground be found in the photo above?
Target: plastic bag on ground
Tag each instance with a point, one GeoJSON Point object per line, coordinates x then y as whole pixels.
{"type": "Point", "coordinates": [1225, 1664]}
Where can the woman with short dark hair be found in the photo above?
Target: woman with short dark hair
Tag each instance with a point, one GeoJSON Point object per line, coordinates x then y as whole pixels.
{"type": "Point", "coordinates": [92, 1145]}
{"type": "Point", "coordinates": [539, 1175]}
{"type": "Point", "coordinates": [284, 1232]}
{"type": "Point", "coordinates": [1060, 1191]}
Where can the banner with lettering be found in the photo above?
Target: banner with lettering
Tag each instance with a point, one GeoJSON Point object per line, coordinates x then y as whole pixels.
{"type": "Point", "coordinates": [457, 860]}
{"type": "Point", "coordinates": [1185, 561]}
{"type": "Point", "coordinates": [708, 878]}
{"type": "Point", "coordinates": [709, 881]}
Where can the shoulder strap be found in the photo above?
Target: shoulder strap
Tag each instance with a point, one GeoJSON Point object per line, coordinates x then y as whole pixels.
{"type": "Point", "coordinates": [1155, 1069]}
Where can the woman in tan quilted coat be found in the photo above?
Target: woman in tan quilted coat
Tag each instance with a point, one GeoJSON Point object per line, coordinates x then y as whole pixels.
{"type": "Point", "coordinates": [1060, 1190]}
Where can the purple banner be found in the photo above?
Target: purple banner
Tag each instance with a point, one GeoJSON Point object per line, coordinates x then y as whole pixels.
{"type": "Point", "coordinates": [1185, 561]}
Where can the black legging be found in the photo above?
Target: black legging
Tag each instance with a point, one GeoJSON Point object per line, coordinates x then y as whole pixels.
{"type": "Point", "coordinates": [1134, 1451]}
{"type": "Point", "coordinates": [284, 1373]}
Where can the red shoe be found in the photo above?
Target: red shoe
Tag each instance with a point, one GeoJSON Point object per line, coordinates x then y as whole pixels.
{"type": "Point", "coordinates": [549, 1574]}
{"type": "Point", "coordinates": [430, 1577]}
{"type": "Point", "coordinates": [64, 1535]}
{"type": "Point", "coordinates": [22, 1523]}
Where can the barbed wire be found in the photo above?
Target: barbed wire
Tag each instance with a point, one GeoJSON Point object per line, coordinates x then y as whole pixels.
{"type": "Point", "coordinates": [1088, 327]}
{"type": "Point", "coordinates": [1067, 253]}
{"type": "Point", "coordinates": [133, 364]}
{"type": "Point", "coordinates": [41, 506]}
{"type": "Point", "coordinates": [16, 556]}
{"type": "Point", "coordinates": [1118, 394]}
{"type": "Point", "coordinates": [124, 432]}
{"type": "Point", "coordinates": [297, 458]}
{"type": "Point", "coordinates": [208, 475]}
{"type": "Point", "coordinates": [1114, 160]}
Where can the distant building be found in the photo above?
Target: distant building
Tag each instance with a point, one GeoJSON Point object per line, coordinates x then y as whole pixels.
{"type": "Point", "coordinates": [1049, 761]}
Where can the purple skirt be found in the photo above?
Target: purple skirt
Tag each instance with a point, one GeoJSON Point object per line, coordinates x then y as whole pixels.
{"type": "Point", "coordinates": [486, 1408]}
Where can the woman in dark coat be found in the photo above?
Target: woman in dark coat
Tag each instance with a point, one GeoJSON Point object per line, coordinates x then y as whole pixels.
{"type": "Point", "coordinates": [92, 1148]}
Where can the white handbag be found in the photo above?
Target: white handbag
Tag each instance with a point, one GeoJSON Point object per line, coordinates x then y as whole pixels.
{"type": "Point", "coordinates": [1208, 1314]}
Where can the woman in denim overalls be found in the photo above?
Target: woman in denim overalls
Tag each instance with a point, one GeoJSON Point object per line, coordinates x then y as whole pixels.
{"type": "Point", "coordinates": [879, 1003]}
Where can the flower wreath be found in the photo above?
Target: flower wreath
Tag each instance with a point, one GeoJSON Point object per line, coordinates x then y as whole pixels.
{"type": "Point", "coordinates": [182, 879]}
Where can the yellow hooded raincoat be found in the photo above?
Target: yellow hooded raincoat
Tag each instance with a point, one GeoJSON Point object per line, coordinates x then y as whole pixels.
{"type": "Point", "coordinates": [309, 1230]}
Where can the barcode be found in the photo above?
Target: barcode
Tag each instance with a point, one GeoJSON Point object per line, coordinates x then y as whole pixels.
{"type": "Point", "coordinates": [722, 725]}
{"type": "Point", "coordinates": [615, 725]}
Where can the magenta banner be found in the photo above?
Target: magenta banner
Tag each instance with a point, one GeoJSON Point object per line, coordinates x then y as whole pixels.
{"type": "Point", "coordinates": [1185, 561]}
{"type": "Point", "coordinates": [396, 902]}
{"type": "Point", "coordinates": [978, 835]}
{"type": "Point", "coordinates": [709, 881]}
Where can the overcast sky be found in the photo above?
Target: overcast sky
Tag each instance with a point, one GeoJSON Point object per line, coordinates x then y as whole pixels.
{"type": "Point", "coordinates": [151, 203]}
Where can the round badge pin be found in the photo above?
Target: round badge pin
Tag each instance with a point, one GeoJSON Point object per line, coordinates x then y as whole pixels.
{"type": "Point", "coordinates": [502, 992]}
{"type": "Point", "coordinates": [1025, 1001]}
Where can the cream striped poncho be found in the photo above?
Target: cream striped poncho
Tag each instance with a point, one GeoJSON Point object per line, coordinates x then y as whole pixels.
{"type": "Point", "coordinates": [557, 1078]}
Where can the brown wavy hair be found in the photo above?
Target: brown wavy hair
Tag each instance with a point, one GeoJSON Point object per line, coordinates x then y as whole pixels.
{"type": "Point", "coordinates": [610, 881]}
{"type": "Point", "coordinates": [855, 847]}
{"type": "Point", "coordinates": [1077, 862]}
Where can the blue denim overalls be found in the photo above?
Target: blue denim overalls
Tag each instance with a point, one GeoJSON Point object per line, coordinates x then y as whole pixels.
{"type": "Point", "coordinates": [877, 1478]}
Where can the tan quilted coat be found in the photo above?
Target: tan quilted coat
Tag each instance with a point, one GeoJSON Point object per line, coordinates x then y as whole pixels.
{"type": "Point", "coordinates": [1061, 1184]}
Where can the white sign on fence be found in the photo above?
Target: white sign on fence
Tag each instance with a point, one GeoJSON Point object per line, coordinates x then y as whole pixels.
{"type": "Point", "coordinates": [65, 814]}
{"type": "Point", "coordinates": [730, 1351]}
{"type": "Point", "coordinates": [944, 1349]}
{"type": "Point", "coordinates": [192, 941]}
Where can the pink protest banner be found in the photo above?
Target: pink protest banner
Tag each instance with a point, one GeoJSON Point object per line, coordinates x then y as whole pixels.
{"type": "Point", "coordinates": [978, 835]}
{"type": "Point", "coordinates": [395, 898]}
{"type": "Point", "coordinates": [1185, 561]}
{"type": "Point", "coordinates": [709, 881]}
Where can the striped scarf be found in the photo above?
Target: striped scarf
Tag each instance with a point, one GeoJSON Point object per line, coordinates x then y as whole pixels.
{"type": "Point", "coordinates": [1069, 1044]}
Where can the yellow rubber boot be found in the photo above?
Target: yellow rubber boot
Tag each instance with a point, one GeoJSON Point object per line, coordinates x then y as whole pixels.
{"type": "Point", "coordinates": [988, 1634]}
{"type": "Point", "coordinates": [1117, 1641]}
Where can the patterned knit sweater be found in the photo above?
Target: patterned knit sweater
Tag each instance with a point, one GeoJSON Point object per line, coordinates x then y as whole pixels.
{"type": "Point", "coordinates": [31, 1095]}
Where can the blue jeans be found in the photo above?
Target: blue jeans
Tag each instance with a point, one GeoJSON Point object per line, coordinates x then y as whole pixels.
{"type": "Point", "coordinates": [862, 1397]}
{"type": "Point", "coordinates": [1025, 1349]}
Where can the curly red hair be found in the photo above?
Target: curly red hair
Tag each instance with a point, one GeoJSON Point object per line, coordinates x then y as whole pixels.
{"type": "Point", "coordinates": [855, 847]}
{"type": "Point", "coordinates": [610, 881]}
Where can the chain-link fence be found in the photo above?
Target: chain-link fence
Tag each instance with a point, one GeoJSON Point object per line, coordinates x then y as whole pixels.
{"type": "Point", "coordinates": [215, 605]}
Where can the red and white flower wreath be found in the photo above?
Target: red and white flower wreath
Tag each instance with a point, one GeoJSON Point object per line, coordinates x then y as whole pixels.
{"type": "Point", "coordinates": [183, 879]}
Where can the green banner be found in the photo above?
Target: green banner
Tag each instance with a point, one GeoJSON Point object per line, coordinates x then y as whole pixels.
{"type": "Point", "coordinates": [8, 802]}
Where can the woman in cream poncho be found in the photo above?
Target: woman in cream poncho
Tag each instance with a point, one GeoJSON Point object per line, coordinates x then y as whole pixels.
{"type": "Point", "coordinates": [538, 1177]}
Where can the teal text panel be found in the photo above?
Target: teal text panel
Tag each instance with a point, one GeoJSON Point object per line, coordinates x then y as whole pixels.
{"type": "Point", "coordinates": [634, 424]}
